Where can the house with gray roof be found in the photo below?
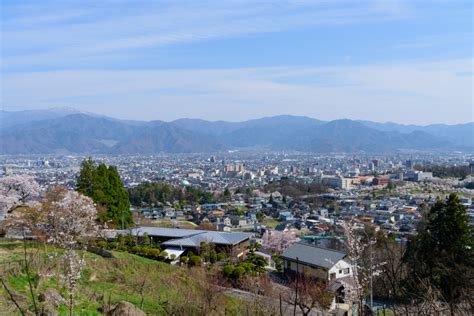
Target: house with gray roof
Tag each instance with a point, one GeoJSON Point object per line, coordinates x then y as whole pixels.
{"type": "Point", "coordinates": [322, 263]}
{"type": "Point", "coordinates": [191, 239]}
{"type": "Point", "coordinates": [328, 265]}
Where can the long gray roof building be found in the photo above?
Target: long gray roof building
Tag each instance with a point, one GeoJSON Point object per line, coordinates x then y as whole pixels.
{"type": "Point", "coordinates": [190, 237]}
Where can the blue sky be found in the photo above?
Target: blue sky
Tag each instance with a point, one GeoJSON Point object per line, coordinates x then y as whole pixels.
{"type": "Point", "coordinates": [402, 61]}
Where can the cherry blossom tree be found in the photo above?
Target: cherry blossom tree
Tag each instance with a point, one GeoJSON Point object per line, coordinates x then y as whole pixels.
{"type": "Point", "coordinates": [278, 241]}
{"type": "Point", "coordinates": [17, 190]}
{"type": "Point", "coordinates": [363, 270]}
{"type": "Point", "coordinates": [66, 219]}
{"type": "Point", "coordinates": [71, 224]}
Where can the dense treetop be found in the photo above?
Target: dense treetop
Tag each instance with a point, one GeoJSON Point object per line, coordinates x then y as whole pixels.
{"type": "Point", "coordinates": [295, 189]}
{"type": "Point", "coordinates": [156, 193]}
{"type": "Point", "coordinates": [445, 171]}
{"type": "Point", "coordinates": [103, 184]}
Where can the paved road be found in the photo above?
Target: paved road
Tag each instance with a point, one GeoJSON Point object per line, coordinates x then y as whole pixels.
{"type": "Point", "coordinates": [287, 309]}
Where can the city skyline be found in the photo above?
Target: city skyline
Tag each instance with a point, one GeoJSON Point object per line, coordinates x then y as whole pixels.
{"type": "Point", "coordinates": [405, 62]}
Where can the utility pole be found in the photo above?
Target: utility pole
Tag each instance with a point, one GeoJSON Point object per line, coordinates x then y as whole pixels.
{"type": "Point", "coordinates": [296, 290]}
{"type": "Point", "coordinates": [371, 278]}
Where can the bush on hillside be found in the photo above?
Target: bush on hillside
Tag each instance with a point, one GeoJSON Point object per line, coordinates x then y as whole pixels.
{"type": "Point", "coordinates": [194, 261]}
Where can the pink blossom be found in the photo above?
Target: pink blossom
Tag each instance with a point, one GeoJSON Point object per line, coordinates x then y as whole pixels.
{"type": "Point", "coordinates": [17, 190]}
{"type": "Point", "coordinates": [278, 241]}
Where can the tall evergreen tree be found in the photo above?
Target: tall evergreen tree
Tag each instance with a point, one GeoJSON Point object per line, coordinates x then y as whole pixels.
{"type": "Point", "coordinates": [104, 185]}
{"type": "Point", "coordinates": [443, 253]}
{"type": "Point", "coordinates": [85, 180]}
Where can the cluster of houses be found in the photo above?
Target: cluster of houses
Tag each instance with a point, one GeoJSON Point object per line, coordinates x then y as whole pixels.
{"type": "Point", "coordinates": [316, 254]}
{"type": "Point", "coordinates": [218, 215]}
{"type": "Point", "coordinates": [398, 215]}
{"type": "Point", "coordinates": [239, 213]}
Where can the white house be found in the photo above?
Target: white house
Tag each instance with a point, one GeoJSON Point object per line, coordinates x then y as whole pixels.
{"type": "Point", "coordinates": [321, 263]}
{"type": "Point", "coordinates": [324, 264]}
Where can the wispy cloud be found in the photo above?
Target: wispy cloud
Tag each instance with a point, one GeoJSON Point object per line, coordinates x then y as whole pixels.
{"type": "Point", "coordinates": [381, 92]}
{"type": "Point", "coordinates": [96, 30]}
{"type": "Point", "coordinates": [434, 41]}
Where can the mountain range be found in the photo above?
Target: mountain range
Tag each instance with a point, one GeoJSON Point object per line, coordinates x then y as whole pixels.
{"type": "Point", "coordinates": [67, 131]}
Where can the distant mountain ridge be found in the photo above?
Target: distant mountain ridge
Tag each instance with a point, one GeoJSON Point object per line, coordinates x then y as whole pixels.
{"type": "Point", "coordinates": [13, 118]}
{"type": "Point", "coordinates": [70, 131]}
{"type": "Point", "coordinates": [461, 134]}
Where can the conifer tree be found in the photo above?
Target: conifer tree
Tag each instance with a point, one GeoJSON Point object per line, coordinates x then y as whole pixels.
{"type": "Point", "coordinates": [85, 180]}
{"type": "Point", "coordinates": [443, 254]}
{"type": "Point", "coordinates": [104, 185]}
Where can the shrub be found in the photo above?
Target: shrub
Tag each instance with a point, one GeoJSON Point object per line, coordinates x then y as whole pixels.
{"type": "Point", "coordinates": [238, 272]}
{"type": "Point", "coordinates": [129, 240]}
{"type": "Point", "coordinates": [146, 239]}
{"type": "Point", "coordinates": [278, 263]}
{"type": "Point", "coordinates": [221, 256]}
{"type": "Point", "coordinates": [163, 254]}
{"type": "Point", "coordinates": [136, 249]}
{"type": "Point", "coordinates": [212, 256]}
{"type": "Point", "coordinates": [102, 244]}
{"type": "Point", "coordinates": [247, 266]}
{"type": "Point", "coordinates": [194, 261]}
{"type": "Point", "coordinates": [145, 250]}
{"type": "Point", "coordinates": [184, 259]}
{"type": "Point", "coordinates": [154, 253]}
{"type": "Point", "coordinates": [228, 269]}
{"type": "Point", "coordinates": [123, 248]}
{"type": "Point", "coordinates": [120, 239]}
